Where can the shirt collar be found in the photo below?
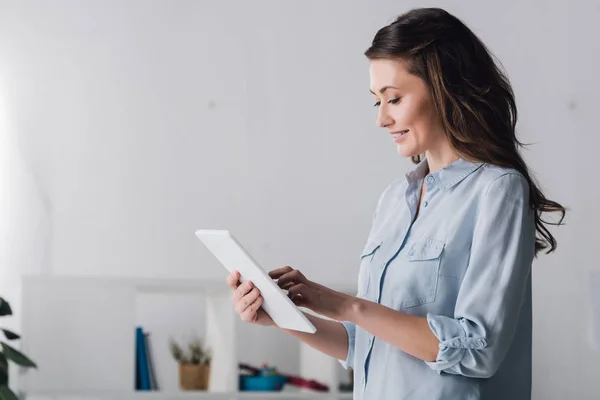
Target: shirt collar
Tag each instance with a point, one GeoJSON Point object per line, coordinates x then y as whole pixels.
{"type": "Point", "coordinates": [447, 177]}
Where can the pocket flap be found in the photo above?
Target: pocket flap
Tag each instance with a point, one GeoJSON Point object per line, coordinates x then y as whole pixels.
{"type": "Point", "coordinates": [427, 249]}
{"type": "Point", "coordinates": [370, 247]}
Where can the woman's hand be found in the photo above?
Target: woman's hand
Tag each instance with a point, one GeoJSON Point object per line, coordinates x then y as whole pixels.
{"type": "Point", "coordinates": [318, 298]}
{"type": "Point", "coordinates": [247, 301]}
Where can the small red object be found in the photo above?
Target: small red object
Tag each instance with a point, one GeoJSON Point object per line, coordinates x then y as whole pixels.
{"type": "Point", "coordinates": [308, 384]}
{"type": "Point", "coordinates": [292, 380]}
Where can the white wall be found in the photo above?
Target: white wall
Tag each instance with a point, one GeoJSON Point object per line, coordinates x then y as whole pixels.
{"type": "Point", "coordinates": [145, 120]}
{"type": "Point", "coordinates": [24, 226]}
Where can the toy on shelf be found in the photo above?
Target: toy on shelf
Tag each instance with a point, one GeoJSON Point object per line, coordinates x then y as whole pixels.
{"type": "Point", "coordinates": [269, 379]}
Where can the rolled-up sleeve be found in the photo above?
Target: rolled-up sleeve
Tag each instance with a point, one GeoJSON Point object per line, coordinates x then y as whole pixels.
{"type": "Point", "coordinates": [475, 341]}
{"type": "Point", "coordinates": [351, 331]}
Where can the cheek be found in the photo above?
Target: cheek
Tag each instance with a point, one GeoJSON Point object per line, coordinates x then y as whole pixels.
{"type": "Point", "coordinates": [404, 116]}
{"type": "Point", "coordinates": [408, 115]}
{"type": "Point", "coordinates": [418, 117]}
{"type": "Point", "coordinates": [423, 115]}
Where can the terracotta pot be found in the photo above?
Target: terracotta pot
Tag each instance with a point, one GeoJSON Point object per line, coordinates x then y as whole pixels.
{"type": "Point", "coordinates": [193, 377]}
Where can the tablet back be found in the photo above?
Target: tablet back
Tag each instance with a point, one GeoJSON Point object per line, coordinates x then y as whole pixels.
{"type": "Point", "coordinates": [233, 256]}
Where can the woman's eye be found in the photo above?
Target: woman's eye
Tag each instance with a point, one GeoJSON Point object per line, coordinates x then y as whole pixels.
{"type": "Point", "coordinates": [392, 101]}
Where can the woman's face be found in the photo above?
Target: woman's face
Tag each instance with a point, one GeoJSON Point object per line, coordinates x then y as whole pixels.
{"type": "Point", "coordinates": [406, 108]}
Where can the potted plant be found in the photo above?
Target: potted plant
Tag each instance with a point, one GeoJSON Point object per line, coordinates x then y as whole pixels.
{"type": "Point", "coordinates": [7, 353]}
{"type": "Point", "coordinates": [194, 364]}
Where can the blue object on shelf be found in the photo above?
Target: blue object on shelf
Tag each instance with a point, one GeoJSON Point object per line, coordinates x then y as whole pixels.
{"type": "Point", "coordinates": [142, 367]}
{"type": "Point", "coordinates": [269, 383]}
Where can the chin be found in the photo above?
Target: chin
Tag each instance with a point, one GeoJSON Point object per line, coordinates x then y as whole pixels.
{"type": "Point", "coordinates": [407, 151]}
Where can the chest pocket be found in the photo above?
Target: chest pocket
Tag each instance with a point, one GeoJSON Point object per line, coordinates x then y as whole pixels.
{"type": "Point", "coordinates": [366, 257]}
{"type": "Point", "coordinates": [415, 279]}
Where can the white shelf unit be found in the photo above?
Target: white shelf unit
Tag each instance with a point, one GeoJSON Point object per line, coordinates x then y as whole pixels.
{"type": "Point", "coordinates": [80, 332]}
{"type": "Point", "coordinates": [195, 396]}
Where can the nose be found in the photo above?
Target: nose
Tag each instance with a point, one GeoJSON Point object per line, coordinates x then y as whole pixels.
{"type": "Point", "coordinates": [384, 119]}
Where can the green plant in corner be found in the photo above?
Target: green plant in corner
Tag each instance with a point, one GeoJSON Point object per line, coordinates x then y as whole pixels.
{"type": "Point", "coordinates": [9, 353]}
{"type": "Point", "coordinates": [196, 354]}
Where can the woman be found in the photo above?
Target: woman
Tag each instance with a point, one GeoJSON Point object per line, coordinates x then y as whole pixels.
{"type": "Point", "coordinates": [444, 296]}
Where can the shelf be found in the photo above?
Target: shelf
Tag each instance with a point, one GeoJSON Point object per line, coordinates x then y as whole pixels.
{"type": "Point", "coordinates": [114, 306]}
{"type": "Point", "coordinates": [293, 395]}
{"type": "Point", "coordinates": [244, 395]}
{"type": "Point", "coordinates": [182, 395]}
{"type": "Point", "coordinates": [142, 284]}
{"type": "Point", "coordinates": [163, 284]}
{"type": "Point", "coordinates": [195, 395]}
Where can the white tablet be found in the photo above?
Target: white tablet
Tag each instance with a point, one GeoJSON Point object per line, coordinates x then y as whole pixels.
{"type": "Point", "coordinates": [275, 301]}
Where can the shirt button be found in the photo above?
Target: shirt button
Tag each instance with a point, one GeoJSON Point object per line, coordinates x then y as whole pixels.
{"type": "Point", "coordinates": [411, 253]}
{"type": "Point", "coordinates": [425, 203]}
{"type": "Point", "coordinates": [430, 179]}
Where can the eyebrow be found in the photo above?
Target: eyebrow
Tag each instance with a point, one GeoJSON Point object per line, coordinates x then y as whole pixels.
{"type": "Point", "coordinates": [383, 89]}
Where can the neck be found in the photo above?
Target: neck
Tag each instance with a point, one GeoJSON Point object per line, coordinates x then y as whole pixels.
{"type": "Point", "coordinates": [437, 160]}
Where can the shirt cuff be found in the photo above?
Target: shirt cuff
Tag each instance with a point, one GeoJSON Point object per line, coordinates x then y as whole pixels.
{"type": "Point", "coordinates": [351, 331]}
{"type": "Point", "coordinates": [454, 343]}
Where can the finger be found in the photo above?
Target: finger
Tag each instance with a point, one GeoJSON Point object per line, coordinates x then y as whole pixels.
{"type": "Point", "coordinates": [299, 290]}
{"type": "Point", "coordinates": [249, 314]}
{"type": "Point", "coordinates": [257, 303]}
{"type": "Point", "coordinates": [300, 301]}
{"type": "Point", "coordinates": [276, 273]}
{"type": "Point", "coordinates": [233, 280]}
{"type": "Point", "coordinates": [294, 276]}
{"type": "Point", "coordinates": [246, 301]}
{"type": "Point", "coordinates": [287, 285]}
{"type": "Point", "coordinates": [241, 291]}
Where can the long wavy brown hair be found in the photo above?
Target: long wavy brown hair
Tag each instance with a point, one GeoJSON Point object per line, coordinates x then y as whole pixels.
{"type": "Point", "coordinates": [472, 96]}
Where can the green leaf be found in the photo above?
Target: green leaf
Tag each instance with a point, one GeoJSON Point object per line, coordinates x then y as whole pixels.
{"type": "Point", "coordinates": [4, 307]}
{"type": "Point", "coordinates": [7, 394]}
{"type": "Point", "coordinates": [3, 364]}
{"type": "Point", "coordinates": [17, 357]}
{"type": "Point", "coordinates": [10, 335]}
{"type": "Point", "coordinates": [3, 370]}
{"type": "Point", "coordinates": [3, 377]}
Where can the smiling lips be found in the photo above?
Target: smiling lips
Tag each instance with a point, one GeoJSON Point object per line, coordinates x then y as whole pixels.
{"type": "Point", "coordinates": [399, 135]}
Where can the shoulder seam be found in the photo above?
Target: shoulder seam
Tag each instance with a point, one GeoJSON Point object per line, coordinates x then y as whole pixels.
{"type": "Point", "coordinates": [505, 173]}
{"type": "Point", "coordinates": [489, 185]}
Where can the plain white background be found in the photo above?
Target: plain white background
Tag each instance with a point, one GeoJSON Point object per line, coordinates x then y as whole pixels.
{"type": "Point", "coordinates": [126, 126]}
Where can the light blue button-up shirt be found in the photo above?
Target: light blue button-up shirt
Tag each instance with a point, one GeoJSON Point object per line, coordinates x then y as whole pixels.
{"type": "Point", "coordinates": [465, 265]}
